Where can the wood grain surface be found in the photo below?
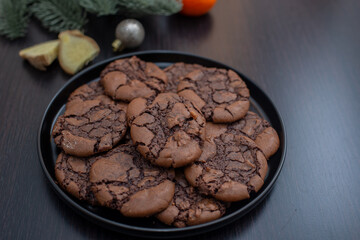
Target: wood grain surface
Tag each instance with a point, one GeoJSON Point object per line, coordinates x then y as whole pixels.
{"type": "Point", "coordinates": [305, 54]}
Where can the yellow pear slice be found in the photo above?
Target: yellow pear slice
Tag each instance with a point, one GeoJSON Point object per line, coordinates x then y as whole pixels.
{"type": "Point", "coordinates": [76, 50]}
{"type": "Point", "coordinates": [41, 55]}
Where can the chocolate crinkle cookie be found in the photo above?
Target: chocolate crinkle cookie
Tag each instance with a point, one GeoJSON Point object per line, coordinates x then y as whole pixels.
{"type": "Point", "coordinates": [177, 72]}
{"type": "Point", "coordinates": [121, 179]}
{"type": "Point", "coordinates": [129, 78]}
{"type": "Point", "coordinates": [170, 131]}
{"type": "Point", "coordinates": [189, 207]}
{"type": "Point", "coordinates": [92, 122]}
{"type": "Point", "coordinates": [259, 130]}
{"type": "Point", "coordinates": [230, 168]}
{"type": "Point", "coordinates": [221, 94]}
{"type": "Point", "coordinates": [72, 174]}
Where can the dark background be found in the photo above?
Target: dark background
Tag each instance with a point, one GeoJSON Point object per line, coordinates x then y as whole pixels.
{"type": "Point", "coordinates": [305, 54]}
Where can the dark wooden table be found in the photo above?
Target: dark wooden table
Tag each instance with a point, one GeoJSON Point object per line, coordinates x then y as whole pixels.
{"type": "Point", "coordinates": [305, 54]}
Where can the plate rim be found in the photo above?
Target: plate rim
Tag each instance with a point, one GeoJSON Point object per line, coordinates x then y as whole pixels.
{"type": "Point", "coordinates": [158, 232]}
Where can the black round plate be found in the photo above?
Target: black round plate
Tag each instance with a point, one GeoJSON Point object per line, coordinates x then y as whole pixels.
{"type": "Point", "coordinates": [150, 227]}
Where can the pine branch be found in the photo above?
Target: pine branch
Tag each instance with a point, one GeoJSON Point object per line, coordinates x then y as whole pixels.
{"type": "Point", "coordinates": [100, 7]}
{"type": "Point", "coordinates": [161, 7]}
{"type": "Point", "coordinates": [14, 18]}
{"type": "Point", "coordinates": [149, 7]}
{"type": "Point", "coordinates": [59, 15]}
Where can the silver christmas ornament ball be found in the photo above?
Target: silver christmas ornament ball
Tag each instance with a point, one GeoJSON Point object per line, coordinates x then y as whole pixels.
{"type": "Point", "coordinates": [130, 32]}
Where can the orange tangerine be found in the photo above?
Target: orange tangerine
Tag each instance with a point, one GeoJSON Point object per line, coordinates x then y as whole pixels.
{"type": "Point", "coordinates": [196, 7]}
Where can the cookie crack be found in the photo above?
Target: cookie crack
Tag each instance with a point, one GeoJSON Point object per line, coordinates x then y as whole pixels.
{"type": "Point", "coordinates": [229, 111]}
{"type": "Point", "coordinates": [157, 91]}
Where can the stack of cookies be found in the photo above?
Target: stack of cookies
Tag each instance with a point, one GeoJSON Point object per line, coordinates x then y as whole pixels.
{"type": "Point", "coordinates": [179, 144]}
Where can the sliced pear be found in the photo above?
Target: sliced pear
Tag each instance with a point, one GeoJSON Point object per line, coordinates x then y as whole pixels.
{"type": "Point", "coordinates": [41, 55]}
{"type": "Point", "coordinates": [76, 50]}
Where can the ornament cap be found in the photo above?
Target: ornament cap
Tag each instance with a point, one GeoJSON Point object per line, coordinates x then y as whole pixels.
{"type": "Point", "coordinates": [117, 45]}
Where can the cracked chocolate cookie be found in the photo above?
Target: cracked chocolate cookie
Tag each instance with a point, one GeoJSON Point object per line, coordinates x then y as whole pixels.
{"type": "Point", "coordinates": [170, 131]}
{"type": "Point", "coordinates": [230, 168]}
{"type": "Point", "coordinates": [137, 106]}
{"type": "Point", "coordinates": [129, 78]}
{"type": "Point", "coordinates": [92, 122]}
{"type": "Point", "coordinates": [122, 180]}
{"type": "Point", "coordinates": [259, 130]}
{"type": "Point", "coordinates": [189, 207]}
{"type": "Point", "coordinates": [72, 174]}
{"type": "Point", "coordinates": [221, 94]}
{"type": "Point", "coordinates": [176, 72]}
